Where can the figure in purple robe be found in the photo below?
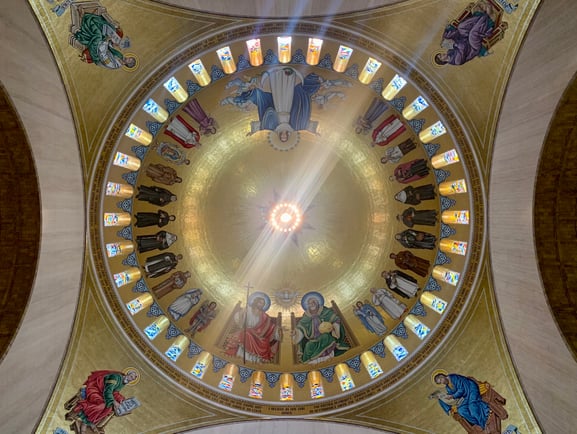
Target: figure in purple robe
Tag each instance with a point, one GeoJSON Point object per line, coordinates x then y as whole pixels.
{"type": "Point", "coordinates": [376, 109]}
{"type": "Point", "coordinates": [206, 124]}
{"type": "Point", "coordinates": [465, 40]}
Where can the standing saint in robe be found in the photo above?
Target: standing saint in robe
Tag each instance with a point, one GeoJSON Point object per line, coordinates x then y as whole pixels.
{"type": "Point", "coordinates": [395, 153]}
{"type": "Point", "coordinates": [161, 264]}
{"type": "Point", "coordinates": [177, 280]}
{"type": "Point", "coordinates": [162, 240]}
{"type": "Point", "coordinates": [388, 130]}
{"type": "Point", "coordinates": [171, 153]}
{"type": "Point", "coordinates": [155, 195]}
{"type": "Point", "coordinates": [202, 317]}
{"type": "Point", "coordinates": [183, 303]}
{"type": "Point", "coordinates": [411, 217]}
{"type": "Point", "coordinates": [160, 219]}
{"type": "Point", "coordinates": [162, 174]}
{"type": "Point", "coordinates": [414, 195]}
{"type": "Point", "coordinates": [393, 307]}
{"type": "Point", "coordinates": [411, 171]}
{"type": "Point", "coordinates": [370, 317]}
{"type": "Point", "coordinates": [184, 133]}
{"type": "Point", "coordinates": [375, 110]}
{"type": "Point", "coordinates": [401, 283]}
{"type": "Point", "coordinates": [405, 260]}
{"type": "Point", "coordinates": [413, 239]}
{"type": "Point", "coordinates": [206, 124]}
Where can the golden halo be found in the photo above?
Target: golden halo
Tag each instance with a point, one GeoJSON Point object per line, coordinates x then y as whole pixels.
{"type": "Point", "coordinates": [435, 64]}
{"type": "Point", "coordinates": [136, 62]}
{"type": "Point", "coordinates": [435, 373]}
{"type": "Point", "coordinates": [276, 143]}
{"type": "Point", "coordinates": [136, 371]}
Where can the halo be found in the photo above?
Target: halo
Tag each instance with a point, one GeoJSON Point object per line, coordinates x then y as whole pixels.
{"type": "Point", "coordinates": [435, 373]}
{"type": "Point", "coordinates": [136, 62]}
{"type": "Point", "coordinates": [136, 371]}
{"type": "Point", "coordinates": [262, 295]}
{"type": "Point", "coordinates": [312, 294]}
{"type": "Point", "coordinates": [435, 64]}
{"type": "Point", "coordinates": [275, 142]}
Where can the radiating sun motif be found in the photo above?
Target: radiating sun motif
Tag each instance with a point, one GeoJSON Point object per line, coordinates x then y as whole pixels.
{"type": "Point", "coordinates": [285, 217]}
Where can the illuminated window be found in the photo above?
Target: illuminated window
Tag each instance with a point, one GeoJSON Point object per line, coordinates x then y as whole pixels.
{"type": "Point", "coordinates": [254, 52]}
{"type": "Point", "coordinates": [369, 71]}
{"type": "Point", "coordinates": [173, 86]}
{"type": "Point", "coordinates": [314, 51]}
{"type": "Point", "coordinates": [414, 108]}
{"type": "Point", "coordinates": [445, 159]}
{"type": "Point", "coordinates": [458, 217]}
{"type": "Point", "coordinates": [448, 188]}
{"type": "Point", "coordinates": [154, 110]}
{"type": "Point", "coordinates": [445, 275]}
{"type": "Point", "coordinates": [225, 56]}
{"type": "Point", "coordinates": [200, 73]}
{"type": "Point", "coordinates": [156, 327]}
{"type": "Point", "coordinates": [138, 134]}
{"type": "Point", "coordinates": [177, 348]}
{"type": "Point", "coordinates": [201, 365]}
{"type": "Point", "coordinates": [126, 161]}
{"type": "Point", "coordinates": [433, 301]}
{"type": "Point", "coordinates": [394, 87]}
{"type": "Point", "coordinates": [453, 246]}
{"type": "Point", "coordinates": [343, 56]}
{"type": "Point", "coordinates": [396, 348]}
{"type": "Point", "coordinates": [141, 302]}
{"type": "Point", "coordinates": [284, 49]}
{"type": "Point", "coordinates": [433, 132]}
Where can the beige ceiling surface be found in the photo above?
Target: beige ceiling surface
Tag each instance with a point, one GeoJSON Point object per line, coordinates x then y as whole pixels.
{"type": "Point", "coordinates": [494, 367]}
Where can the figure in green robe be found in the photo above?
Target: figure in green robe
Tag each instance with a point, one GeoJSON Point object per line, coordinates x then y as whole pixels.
{"type": "Point", "coordinates": [319, 334]}
{"type": "Point", "coordinates": [103, 42]}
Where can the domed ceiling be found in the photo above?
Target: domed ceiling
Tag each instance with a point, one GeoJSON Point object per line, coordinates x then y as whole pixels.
{"type": "Point", "coordinates": [327, 196]}
{"type": "Point", "coordinates": [285, 217]}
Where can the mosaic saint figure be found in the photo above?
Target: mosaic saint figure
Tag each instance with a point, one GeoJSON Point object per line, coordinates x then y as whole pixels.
{"type": "Point", "coordinates": [100, 399]}
{"type": "Point", "coordinates": [160, 219]}
{"type": "Point", "coordinates": [395, 153]}
{"type": "Point", "coordinates": [171, 153]}
{"type": "Point", "coordinates": [162, 240]}
{"type": "Point", "coordinates": [283, 99]}
{"type": "Point", "coordinates": [401, 283]}
{"type": "Point", "coordinates": [387, 131]}
{"type": "Point", "coordinates": [411, 217]}
{"type": "Point", "coordinates": [365, 123]}
{"type": "Point", "coordinates": [177, 280]}
{"type": "Point", "coordinates": [413, 239]}
{"type": "Point", "coordinates": [257, 335]}
{"type": "Point", "coordinates": [464, 39]}
{"type": "Point", "coordinates": [161, 264]}
{"type": "Point", "coordinates": [411, 171]}
{"type": "Point", "coordinates": [103, 41]}
{"type": "Point", "coordinates": [474, 404]}
{"type": "Point", "coordinates": [162, 174]}
{"type": "Point", "coordinates": [370, 317]}
{"type": "Point", "coordinates": [384, 298]}
{"type": "Point", "coordinates": [184, 133]}
{"type": "Point", "coordinates": [405, 260]}
{"type": "Point", "coordinates": [155, 195]}
{"type": "Point", "coordinates": [184, 303]}
{"type": "Point", "coordinates": [202, 317]}
{"type": "Point", "coordinates": [319, 334]}
{"type": "Point", "coordinates": [414, 195]}
{"type": "Point", "coordinates": [206, 124]}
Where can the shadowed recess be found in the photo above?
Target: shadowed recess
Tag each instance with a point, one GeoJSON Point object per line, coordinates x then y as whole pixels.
{"type": "Point", "coordinates": [555, 215]}
{"type": "Point", "coordinates": [19, 222]}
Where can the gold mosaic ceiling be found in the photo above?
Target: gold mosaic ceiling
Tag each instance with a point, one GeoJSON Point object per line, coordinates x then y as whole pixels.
{"type": "Point", "coordinates": [333, 172]}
